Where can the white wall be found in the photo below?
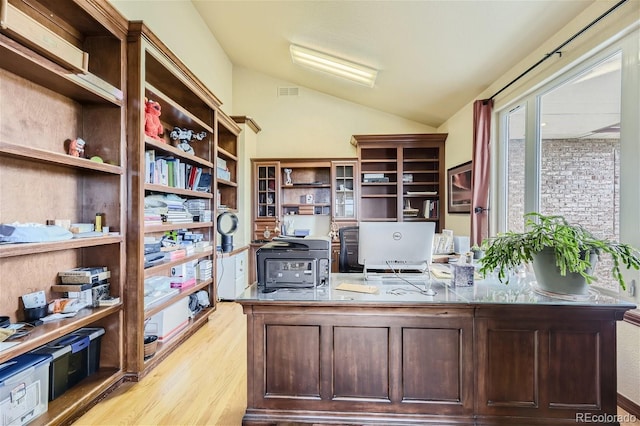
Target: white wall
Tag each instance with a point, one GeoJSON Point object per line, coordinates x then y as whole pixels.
{"type": "Point", "coordinates": [457, 151]}
{"type": "Point", "coordinates": [178, 24]}
{"type": "Point", "coordinates": [247, 146]}
{"type": "Point", "coordinates": [311, 124]}
{"type": "Point", "coordinates": [460, 141]}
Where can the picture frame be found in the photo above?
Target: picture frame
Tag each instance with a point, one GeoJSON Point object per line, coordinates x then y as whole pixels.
{"type": "Point", "coordinates": [459, 188]}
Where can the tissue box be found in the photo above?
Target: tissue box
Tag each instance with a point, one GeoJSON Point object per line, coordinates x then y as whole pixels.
{"type": "Point", "coordinates": [462, 275]}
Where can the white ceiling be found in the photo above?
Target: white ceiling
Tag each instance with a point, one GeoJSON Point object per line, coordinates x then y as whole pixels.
{"type": "Point", "coordinates": [434, 56]}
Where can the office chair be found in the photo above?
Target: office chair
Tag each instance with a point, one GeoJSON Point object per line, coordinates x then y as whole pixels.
{"type": "Point", "coordinates": [348, 258]}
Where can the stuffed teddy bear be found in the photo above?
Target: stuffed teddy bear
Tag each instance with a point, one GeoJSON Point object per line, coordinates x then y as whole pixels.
{"type": "Point", "coordinates": [152, 125]}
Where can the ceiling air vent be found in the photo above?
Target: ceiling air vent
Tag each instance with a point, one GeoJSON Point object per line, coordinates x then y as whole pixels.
{"type": "Point", "coordinates": [287, 91]}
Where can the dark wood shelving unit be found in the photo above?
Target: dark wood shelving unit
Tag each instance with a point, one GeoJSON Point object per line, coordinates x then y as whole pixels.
{"type": "Point", "coordinates": [46, 101]}
{"type": "Point", "coordinates": [400, 174]}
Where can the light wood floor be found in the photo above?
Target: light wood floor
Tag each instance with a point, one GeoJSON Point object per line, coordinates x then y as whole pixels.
{"type": "Point", "coordinates": [202, 383]}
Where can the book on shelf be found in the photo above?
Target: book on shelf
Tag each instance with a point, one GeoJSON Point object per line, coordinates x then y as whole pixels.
{"type": "Point", "coordinates": [85, 279]}
{"type": "Point", "coordinates": [196, 178]}
{"type": "Point", "coordinates": [430, 209]}
{"type": "Point", "coordinates": [150, 166]}
{"type": "Point", "coordinates": [108, 301]}
{"type": "Point", "coordinates": [84, 271]}
{"type": "Point", "coordinates": [422, 193]}
{"type": "Point", "coordinates": [62, 288]}
{"type": "Point", "coordinates": [204, 183]}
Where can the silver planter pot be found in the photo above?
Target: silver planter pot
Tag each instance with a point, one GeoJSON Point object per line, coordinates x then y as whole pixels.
{"type": "Point", "coordinates": [549, 278]}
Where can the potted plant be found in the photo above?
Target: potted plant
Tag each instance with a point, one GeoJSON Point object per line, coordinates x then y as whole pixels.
{"type": "Point", "coordinates": [563, 254]}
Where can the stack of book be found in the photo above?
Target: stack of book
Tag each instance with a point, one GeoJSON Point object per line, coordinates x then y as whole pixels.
{"type": "Point", "coordinates": [179, 215]}
{"type": "Point", "coordinates": [88, 284]}
{"type": "Point", "coordinates": [204, 269]}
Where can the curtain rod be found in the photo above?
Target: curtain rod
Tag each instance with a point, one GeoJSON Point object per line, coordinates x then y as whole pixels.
{"type": "Point", "coordinates": [557, 49]}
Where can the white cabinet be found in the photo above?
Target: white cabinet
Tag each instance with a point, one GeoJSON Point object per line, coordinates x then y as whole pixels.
{"type": "Point", "coordinates": [231, 274]}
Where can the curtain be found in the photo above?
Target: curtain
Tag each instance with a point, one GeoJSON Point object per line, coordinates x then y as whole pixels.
{"type": "Point", "coordinates": [480, 170]}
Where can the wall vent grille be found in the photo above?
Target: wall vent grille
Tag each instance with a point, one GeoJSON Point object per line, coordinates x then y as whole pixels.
{"type": "Point", "coordinates": [287, 91]}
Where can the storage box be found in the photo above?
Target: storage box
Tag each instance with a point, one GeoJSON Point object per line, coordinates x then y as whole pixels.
{"type": "Point", "coordinates": [24, 381]}
{"type": "Point", "coordinates": [170, 321]}
{"type": "Point", "coordinates": [36, 36]}
{"type": "Point", "coordinates": [75, 357]}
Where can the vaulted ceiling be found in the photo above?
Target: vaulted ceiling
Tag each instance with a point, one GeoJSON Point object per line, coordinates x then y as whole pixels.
{"type": "Point", "coordinates": [433, 56]}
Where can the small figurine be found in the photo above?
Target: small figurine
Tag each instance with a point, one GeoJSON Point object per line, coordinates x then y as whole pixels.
{"type": "Point", "coordinates": [335, 232]}
{"type": "Point", "coordinates": [185, 136]}
{"type": "Point", "coordinates": [287, 179]}
{"type": "Point", "coordinates": [76, 148]}
{"type": "Point", "coordinates": [152, 125]}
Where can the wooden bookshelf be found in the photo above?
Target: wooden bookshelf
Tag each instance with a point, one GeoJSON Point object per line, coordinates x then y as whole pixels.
{"type": "Point", "coordinates": [155, 73]}
{"type": "Point", "coordinates": [45, 103]}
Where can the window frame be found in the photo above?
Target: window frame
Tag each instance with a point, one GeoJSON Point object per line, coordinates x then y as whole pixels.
{"type": "Point", "coordinates": [629, 216]}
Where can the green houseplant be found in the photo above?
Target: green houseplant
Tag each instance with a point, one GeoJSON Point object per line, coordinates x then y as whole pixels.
{"type": "Point", "coordinates": [572, 248]}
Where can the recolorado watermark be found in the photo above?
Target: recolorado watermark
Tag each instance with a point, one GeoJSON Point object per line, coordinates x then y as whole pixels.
{"type": "Point", "coordinates": [605, 418]}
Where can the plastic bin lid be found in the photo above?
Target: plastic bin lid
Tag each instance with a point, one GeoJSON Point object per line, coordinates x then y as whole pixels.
{"type": "Point", "coordinates": [52, 349]}
{"type": "Point", "coordinates": [92, 332]}
{"type": "Point", "coordinates": [20, 363]}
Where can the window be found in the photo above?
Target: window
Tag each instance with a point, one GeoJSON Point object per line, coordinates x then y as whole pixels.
{"type": "Point", "coordinates": [562, 150]}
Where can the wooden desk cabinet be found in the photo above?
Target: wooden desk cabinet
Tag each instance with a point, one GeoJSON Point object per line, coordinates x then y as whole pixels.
{"type": "Point", "coordinates": [350, 360]}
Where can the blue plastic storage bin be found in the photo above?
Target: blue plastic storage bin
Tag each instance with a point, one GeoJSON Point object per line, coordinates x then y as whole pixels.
{"type": "Point", "coordinates": [75, 357]}
{"type": "Point", "coordinates": [24, 381]}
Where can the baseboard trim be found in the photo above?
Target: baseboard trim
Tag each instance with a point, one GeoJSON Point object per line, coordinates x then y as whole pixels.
{"type": "Point", "coordinates": [628, 405]}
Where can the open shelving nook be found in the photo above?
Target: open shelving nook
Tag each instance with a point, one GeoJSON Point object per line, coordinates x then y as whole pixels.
{"type": "Point", "coordinates": [401, 177]}
{"type": "Point", "coordinates": [47, 100]}
{"type": "Point", "coordinates": [227, 163]}
{"type": "Point", "coordinates": [155, 73]}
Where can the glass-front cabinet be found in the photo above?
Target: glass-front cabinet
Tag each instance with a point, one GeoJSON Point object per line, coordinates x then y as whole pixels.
{"type": "Point", "coordinates": [345, 190]}
{"type": "Point", "coordinates": [266, 190]}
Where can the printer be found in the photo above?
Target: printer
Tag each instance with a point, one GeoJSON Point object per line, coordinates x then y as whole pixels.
{"type": "Point", "coordinates": [289, 262]}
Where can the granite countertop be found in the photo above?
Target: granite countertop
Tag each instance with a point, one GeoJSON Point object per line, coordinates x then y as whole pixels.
{"type": "Point", "coordinates": [520, 290]}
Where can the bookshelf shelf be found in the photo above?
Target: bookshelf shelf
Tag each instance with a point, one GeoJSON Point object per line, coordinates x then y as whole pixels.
{"type": "Point", "coordinates": [165, 266]}
{"type": "Point", "coordinates": [183, 293]}
{"type": "Point", "coordinates": [175, 226]}
{"type": "Point", "coordinates": [178, 191]}
{"type": "Point", "coordinates": [20, 60]}
{"type": "Point", "coordinates": [50, 331]}
{"type": "Point", "coordinates": [165, 348]}
{"type": "Point", "coordinates": [171, 150]}
{"type": "Point", "coordinates": [11, 250]}
{"type": "Point", "coordinates": [49, 157]}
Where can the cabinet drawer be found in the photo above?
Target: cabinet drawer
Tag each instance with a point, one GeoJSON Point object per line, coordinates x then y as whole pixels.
{"type": "Point", "coordinates": [31, 33]}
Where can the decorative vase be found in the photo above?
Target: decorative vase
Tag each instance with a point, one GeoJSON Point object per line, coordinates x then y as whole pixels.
{"type": "Point", "coordinates": [549, 278]}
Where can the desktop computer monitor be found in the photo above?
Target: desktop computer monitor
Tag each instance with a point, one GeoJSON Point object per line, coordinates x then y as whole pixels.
{"type": "Point", "coordinates": [395, 245]}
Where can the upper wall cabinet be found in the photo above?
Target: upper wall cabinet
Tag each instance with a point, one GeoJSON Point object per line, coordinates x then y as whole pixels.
{"type": "Point", "coordinates": [401, 177]}
{"type": "Point", "coordinates": [62, 81]}
{"type": "Point", "coordinates": [173, 157]}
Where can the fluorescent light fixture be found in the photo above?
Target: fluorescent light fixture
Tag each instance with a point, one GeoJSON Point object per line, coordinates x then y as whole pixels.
{"type": "Point", "coordinates": [333, 65]}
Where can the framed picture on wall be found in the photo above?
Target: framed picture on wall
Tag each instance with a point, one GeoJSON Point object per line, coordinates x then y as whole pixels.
{"type": "Point", "coordinates": [459, 187]}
